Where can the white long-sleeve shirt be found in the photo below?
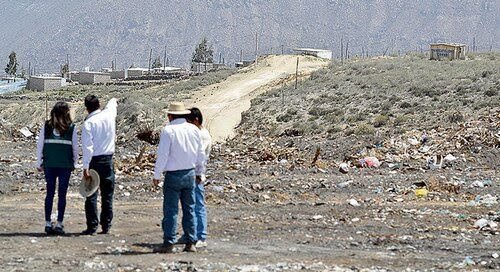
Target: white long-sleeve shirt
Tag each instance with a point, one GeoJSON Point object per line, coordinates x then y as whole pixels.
{"type": "Point", "coordinates": [180, 148]}
{"type": "Point", "coordinates": [41, 141]}
{"type": "Point", "coordinates": [99, 133]}
{"type": "Point", "coordinates": [206, 141]}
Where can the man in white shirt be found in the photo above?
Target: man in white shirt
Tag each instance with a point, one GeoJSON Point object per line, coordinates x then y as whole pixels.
{"type": "Point", "coordinates": [182, 158]}
{"type": "Point", "coordinates": [98, 144]}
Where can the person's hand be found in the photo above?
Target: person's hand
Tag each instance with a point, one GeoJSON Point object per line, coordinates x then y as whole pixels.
{"type": "Point", "coordinates": [40, 169]}
{"type": "Point", "coordinates": [86, 174]}
{"type": "Point", "coordinates": [156, 182]}
{"type": "Point", "coordinates": [199, 180]}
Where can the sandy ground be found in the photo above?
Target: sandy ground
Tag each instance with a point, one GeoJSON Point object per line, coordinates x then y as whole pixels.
{"type": "Point", "coordinates": [223, 103]}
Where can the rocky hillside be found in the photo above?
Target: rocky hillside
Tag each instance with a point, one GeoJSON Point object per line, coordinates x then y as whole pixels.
{"type": "Point", "coordinates": [96, 32]}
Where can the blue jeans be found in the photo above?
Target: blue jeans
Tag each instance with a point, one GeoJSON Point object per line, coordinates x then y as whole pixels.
{"type": "Point", "coordinates": [178, 185]}
{"type": "Point", "coordinates": [63, 175]}
{"type": "Point", "coordinates": [200, 214]}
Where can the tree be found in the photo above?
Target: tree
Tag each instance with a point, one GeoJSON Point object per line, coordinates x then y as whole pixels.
{"type": "Point", "coordinates": [157, 63]}
{"type": "Point", "coordinates": [12, 65]}
{"type": "Point", "coordinates": [203, 52]}
{"type": "Point", "coordinates": [64, 69]}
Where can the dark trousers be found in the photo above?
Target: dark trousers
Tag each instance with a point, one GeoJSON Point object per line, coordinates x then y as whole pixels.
{"type": "Point", "coordinates": [51, 175]}
{"type": "Point", "coordinates": [103, 165]}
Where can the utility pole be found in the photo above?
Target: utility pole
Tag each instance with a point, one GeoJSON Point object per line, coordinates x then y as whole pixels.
{"type": "Point", "coordinates": [297, 73]}
{"type": "Point", "coordinates": [220, 57]}
{"type": "Point", "coordinates": [29, 68]}
{"type": "Point", "coordinates": [282, 49]}
{"type": "Point", "coordinates": [256, 48]}
{"type": "Point", "coordinates": [165, 58]}
{"type": "Point", "coordinates": [149, 65]}
{"type": "Point", "coordinates": [347, 50]}
{"type": "Point", "coordinates": [342, 50]}
{"type": "Point", "coordinates": [241, 55]}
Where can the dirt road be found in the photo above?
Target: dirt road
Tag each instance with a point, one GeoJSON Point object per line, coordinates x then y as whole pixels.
{"type": "Point", "coordinates": [223, 103]}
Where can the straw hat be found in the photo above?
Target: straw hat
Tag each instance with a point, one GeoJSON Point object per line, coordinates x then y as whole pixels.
{"type": "Point", "coordinates": [177, 108]}
{"type": "Point", "coordinates": [89, 187]}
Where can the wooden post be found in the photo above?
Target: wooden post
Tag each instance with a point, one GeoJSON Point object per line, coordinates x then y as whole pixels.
{"type": "Point", "coordinates": [297, 73]}
{"type": "Point", "coordinates": [282, 49]}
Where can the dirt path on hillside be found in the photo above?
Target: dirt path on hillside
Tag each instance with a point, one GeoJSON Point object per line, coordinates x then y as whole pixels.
{"type": "Point", "coordinates": [223, 103]}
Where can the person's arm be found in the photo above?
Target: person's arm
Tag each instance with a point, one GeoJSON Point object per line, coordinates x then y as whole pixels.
{"type": "Point", "coordinates": [161, 156]}
{"type": "Point", "coordinates": [111, 106]}
{"type": "Point", "coordinates": [39, 148]}
{"type": "Point", "coordinates": [87, 145]}
{"type": "Point", "coordinates": [74, 142]}
{"type": "Point", "coordinates": [200, 159]}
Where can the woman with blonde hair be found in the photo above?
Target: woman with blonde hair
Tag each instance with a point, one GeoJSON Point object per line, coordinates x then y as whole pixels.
{"type": "Point", "coordinates": [57, 155]}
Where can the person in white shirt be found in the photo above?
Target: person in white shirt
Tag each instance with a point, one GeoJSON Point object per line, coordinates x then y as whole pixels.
{"type": "Point", "coordinates": [181, 157]}
{"type": "Point", "coordinates": [196, 118]}
{"type": "Point", "coordinates": [98, 144]}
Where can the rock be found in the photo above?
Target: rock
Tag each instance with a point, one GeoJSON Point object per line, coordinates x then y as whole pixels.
{"type": "Point", "coordinates": [317, 217]}
{"type": "Point", "coordinates": [344, 168]}
{"type": "Point", "coordinates": [354, 202]}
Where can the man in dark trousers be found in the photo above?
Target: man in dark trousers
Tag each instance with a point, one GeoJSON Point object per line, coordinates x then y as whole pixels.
{"type": "Point", "coordinates": [98, 144]}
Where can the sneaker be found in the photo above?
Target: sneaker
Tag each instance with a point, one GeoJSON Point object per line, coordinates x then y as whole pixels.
{"type": "Point", "coordinates": [181, 241]}
{"type": "Point", "coordinates": [49, 230]}
{"type": "Point", "coordinates": [88, 232]}
{"type": "Point", "coordinates": [59, 230]}
{"type": "Point", "coordinates": [190, 248]}
{"type": "Point", "coordinates": [201, 243]}
{"type": "Point", "coordinates": [164, 249]}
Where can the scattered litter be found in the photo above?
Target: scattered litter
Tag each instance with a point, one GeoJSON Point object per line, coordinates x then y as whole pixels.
{"type": "Point", "coordinates": [26, 132]}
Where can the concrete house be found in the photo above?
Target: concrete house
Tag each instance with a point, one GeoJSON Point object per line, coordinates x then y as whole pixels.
{"type": "Point", "coordinates": [86, 78]}
{"type": "Point", "coordinates": [320, 53]}
{"type": "Point", "coordinates": [45, 83]}
{"type": "Point", "coordinates": [137, 72]}
{"type": "Point", "coordinates": [121, 74]}
{"type": "Point", "coordinates": [447, 51]}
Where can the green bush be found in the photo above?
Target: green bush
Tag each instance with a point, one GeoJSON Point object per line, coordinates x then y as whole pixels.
{"type": "Point", "coordinates": [380, 120]}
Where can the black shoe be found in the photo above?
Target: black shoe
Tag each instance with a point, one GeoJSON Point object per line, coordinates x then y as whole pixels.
{"type": "Point", "coordinates": [49, 230]}
{"type": "Point", "coordinates": [105, 231]}
{"type": "Point", "coordinates": [59, 230]}
{"type": "Point", "coordinates": [164, 249]}
{"type": "Point", "coordinates": [88, 232]}
{"type": "Point", "coordinates": [190, 247]}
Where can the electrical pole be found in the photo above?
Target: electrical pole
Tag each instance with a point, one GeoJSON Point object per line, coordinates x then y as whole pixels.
{"type": "Point", "coordinates": [297, 73]}
{"type": "Point", "coordinates": [342, 50]}
{"type": "Point", "coordinates": [256, 48]}
{"type": "Point", "coordinates": [165, 59]}
{"type": "Point", "coordinates": [149, 65]}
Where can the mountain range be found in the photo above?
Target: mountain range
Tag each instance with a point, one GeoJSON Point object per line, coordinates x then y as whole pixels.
{"type": "Point", "coordinates": [93, 33]}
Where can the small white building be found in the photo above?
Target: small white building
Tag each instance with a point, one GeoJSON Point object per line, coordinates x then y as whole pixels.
{"type": "Point", "coordinates": [45, 83]}
{"type": "Point", "coordinates": [137, 72]}
{"type": "Point", "coordinates": [87, 78]}
{"type": "Point", "coordinates": [320, 53]}
{"type": "Point", "coordinates": [166, 70]}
